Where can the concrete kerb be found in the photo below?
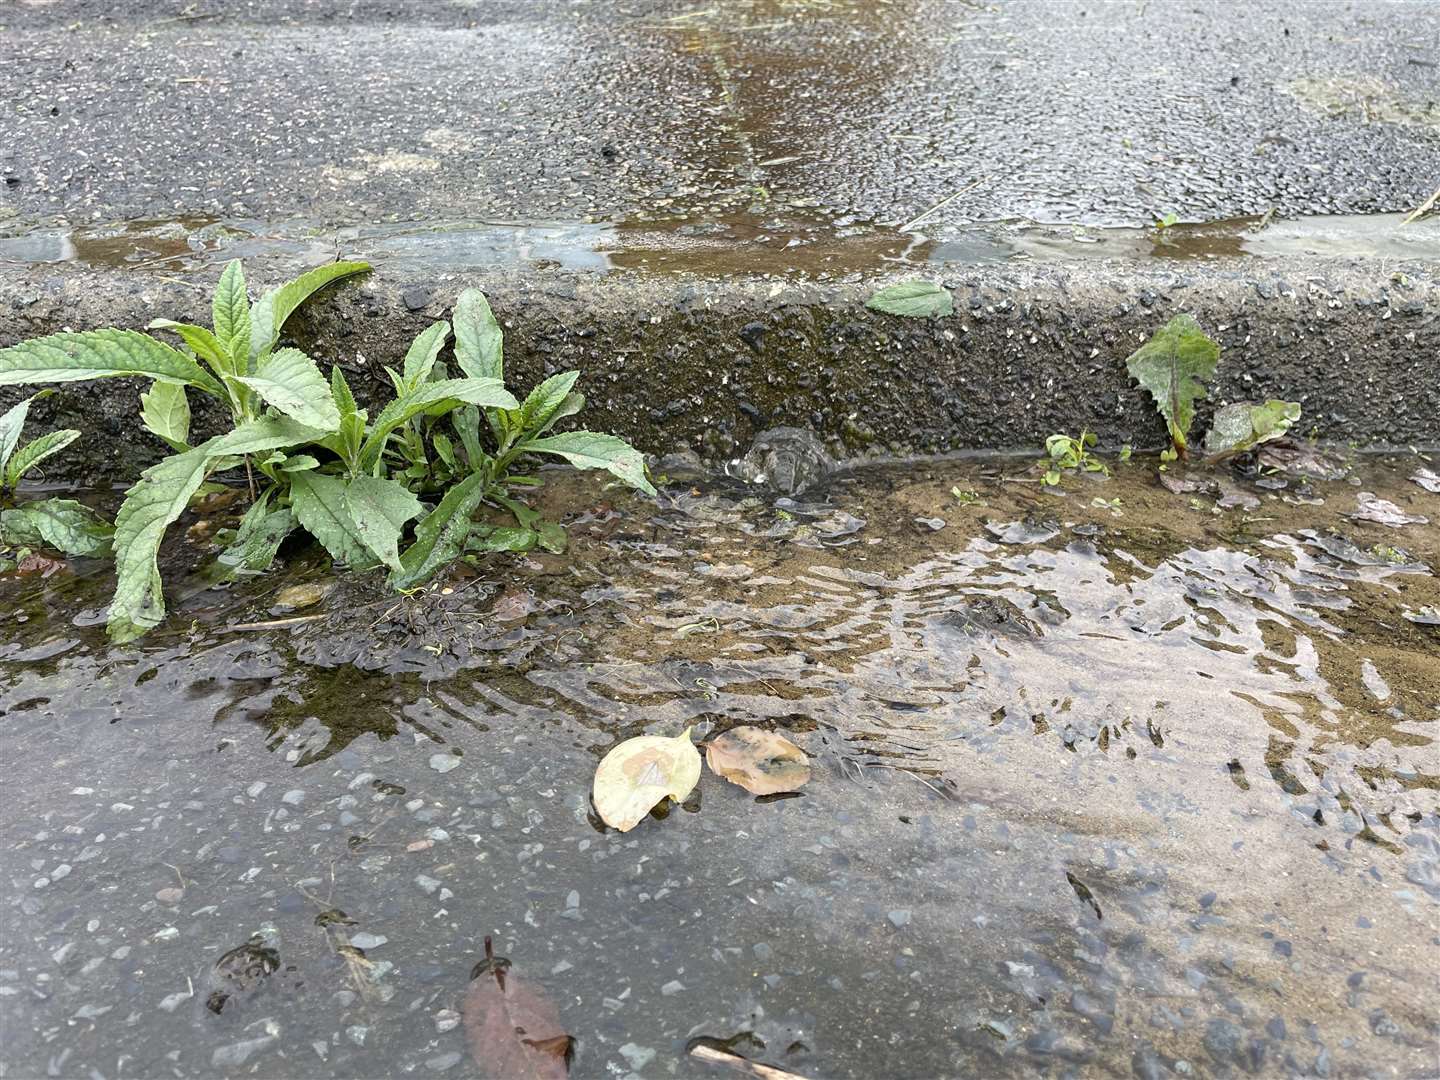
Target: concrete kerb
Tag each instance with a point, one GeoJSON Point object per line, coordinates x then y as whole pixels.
{"type": "Point", "coordinates": [704, 364]}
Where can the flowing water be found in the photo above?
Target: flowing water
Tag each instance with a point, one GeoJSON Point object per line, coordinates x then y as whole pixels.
{"type": "Point", "coordinates": [1116, 782]}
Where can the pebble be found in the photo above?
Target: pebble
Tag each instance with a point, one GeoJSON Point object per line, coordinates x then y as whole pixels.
{"type": "Point", "coordinates": [356, 1033]}
{"type": "Point", "coordinates": [899, 917]}
{"type": "Point", "coordinates": [61, 871]}
{"type": "Point", "coordinates": [637, 1056]}
{"type": "Point", "coordinates": [428, 884]}
{"type": "Point", "coordinates": [256, 788]}
{"type": "Point", "coordinates": [293, 797]}
{"type": "Point", "coordinates": [365, 940]}
{"type": "Point", "coordinates": [446, 1020]}
{"type": "Point", "coordinates": [671, 988]}
{"type": "Point", "coordinates": [170, 896]}
{"type": "Point", "coordinates": [441, 1062]}
{"type": "Point", "coordinates": [236, 1054]}
{"type": "Point", "coordinates": [443, 763]}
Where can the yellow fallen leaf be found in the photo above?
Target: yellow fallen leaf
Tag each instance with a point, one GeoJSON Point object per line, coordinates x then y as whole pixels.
{"type": "Point", "coordinates": [639, 773]}
{"type": "Point", "coordinates": [760, 761]}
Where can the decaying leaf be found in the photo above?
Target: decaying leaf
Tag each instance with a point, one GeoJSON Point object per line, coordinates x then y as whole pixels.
{"type": "Point", "coordinates": [1174, 366]}
{"type": "Point", "coordinates": [1241, 427]}
{"type": "Point", "coordinates": [1302, 460]}
{"type": "Point", "coordinates": [760, 761]}
{"type": "Point", "coordinates": [1427, 479]}
{"type": "Point", "coordinates": [639, 773]}
{"type": "Point", "coordinates": [914, 299]}
{"type": "Point", "coordinates": [1383, 512]}
{"type": "Point", "coordinates": [513, 1032]}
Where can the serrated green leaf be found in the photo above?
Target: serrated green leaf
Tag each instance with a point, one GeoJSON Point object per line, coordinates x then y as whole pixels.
{"type": "Point", "coordinates": [231, 315]}
{"type": "Point", "coordinates": [100, 354]}
{"type": "Point", "coordinates": [165, 411]}
{"type": "Point", "coordinates": [320, 505]}
{"type": "Point", "coordinates": [257, 540]}
{"type": "Point", "coordinates": [255, 543]}
{"type": "Point", "coordinates": [440, 535]}
{"type": "Point", "coordinates": [489, 393]}
{"type": "Point", "coordinates": [18, 530]}
{"type": "Point", "coordinates": [914, 299]}
{"type": "Point", "coordinates": [203, 342]}
{"type": "Point", "coordinates": [11, 425]}
{"type": "Point", "coordinates": [573, 403]}
{"type": "Point", "coordinates": [1240, 427]}
{"type": "Point", "coordinates": [30, 455]}
{"type": "Point", "coordinates": [479, 341]}
{"type": "Point", "coordinates": [444, 449]}
{"type": "Point", "coordinates": [267, 317]}
{"type": "Point", "coordinates": [505, 538]}
{"type": "Point", "coordinates": [543, 401]}
{"type": "Point", "coordinates": [340, 391]}
{"type": "Point", "coordinates": [552, 537]}
{"type": "Point", "coordinates": [1172, 365]}
{"type": "Point", "coordinates": [466, 421]}
{"type": "Point", "coordinates": [157, 499]}
{"type": "Point", "coordinates": [380, 509]}
{"type": "Point", "coordinates": [594, 450]}
{"type": "Point", "coordinates": [425, 350]}
{"type": "Point", "coordinates": [70, 527]}
{"type": "Point", "coordinates": [290, 382]}
{"type": "Point", "coordinates": [526, 517]}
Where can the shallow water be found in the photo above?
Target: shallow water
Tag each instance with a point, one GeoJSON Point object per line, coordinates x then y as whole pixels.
{"type": "Point", "coordinates": [788, 242]}
{"type": "Point", "coordinates": [1114, 782]}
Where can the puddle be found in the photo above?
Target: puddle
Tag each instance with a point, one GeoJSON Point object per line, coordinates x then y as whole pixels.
{"type": "Point", "coordinates": [1142, 787]}
{"type": "Point", "coordinates": [745, 244]}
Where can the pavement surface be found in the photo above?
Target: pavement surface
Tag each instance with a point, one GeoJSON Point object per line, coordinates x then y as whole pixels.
{"type": "Point", "coordinates": [842, 110]}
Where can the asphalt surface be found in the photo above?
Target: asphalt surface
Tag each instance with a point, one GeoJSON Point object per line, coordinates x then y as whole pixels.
{"type": "Point", "coordinates": [839, 110]}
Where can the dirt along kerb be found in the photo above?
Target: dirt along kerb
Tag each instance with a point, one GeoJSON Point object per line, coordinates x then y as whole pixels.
{"type": "Point", "coordinates": [704, 363]}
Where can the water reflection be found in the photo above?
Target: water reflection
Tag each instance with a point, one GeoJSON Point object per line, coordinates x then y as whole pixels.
{"type": "Point", "coordinates": [1166, 801]}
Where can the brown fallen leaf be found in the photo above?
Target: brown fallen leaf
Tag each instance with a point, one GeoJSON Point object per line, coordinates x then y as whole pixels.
{"type": "Point", "coordinates": [760, 761]}
{"type": "Point", "coordinates": [513, 1032]}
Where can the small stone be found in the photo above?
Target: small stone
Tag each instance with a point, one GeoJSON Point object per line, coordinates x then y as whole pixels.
{"type": "Point", "coordinates": [428, 884]}
{"type": "Point", "coordinates": [899, 917]}
{"type": "Point", "coordinates": [446, 1020]}
{"type": "Point", "coordinates": [170, 896]}
{"type": "Point", "coordinates": [441, 1062]}
{"type": "Point", "coordinates": [573, 899]}
{"type": "Point", "coordinates": [256, 788]}
{"type": "Point", "coordinates": [293, 797]}
{"type": "Point", "coordinates": [637, 1056]}
{"type": "Point", "coordinates": [367, 941]}
{"type": "Point", "coordinates": [356, 1033]}
{"type": "Point", "coordinates": [171, 1002]}
{"type": "Point", "coordinates": [236, 1054]}
{"type": "Point", "coordinates": [61, 871]}
{"type": "Point", "coordinates": [416, 299]}
{"type": "Point", "coordinates": [671, 988]}
{"type": "Point", "coordinates": [443, 763]}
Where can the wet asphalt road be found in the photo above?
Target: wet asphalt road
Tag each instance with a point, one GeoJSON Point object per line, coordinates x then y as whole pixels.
{"type": "Point", "coordinates": [843, 110]}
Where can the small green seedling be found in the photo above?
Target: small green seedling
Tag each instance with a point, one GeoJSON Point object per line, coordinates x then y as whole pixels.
{"type": "Point", "coordinates": [1064, 453]}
